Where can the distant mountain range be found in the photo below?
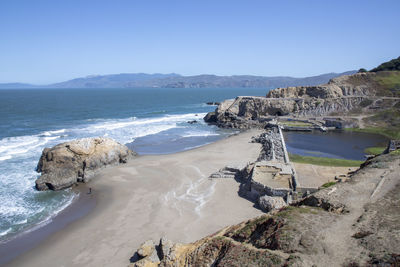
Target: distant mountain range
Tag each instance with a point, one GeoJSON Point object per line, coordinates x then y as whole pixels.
{"type": "Point", "coordinates": [135, 80]}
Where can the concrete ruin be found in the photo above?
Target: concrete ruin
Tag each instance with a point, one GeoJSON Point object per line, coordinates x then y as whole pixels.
{"type": "Point", "coordinates": [272, 174]}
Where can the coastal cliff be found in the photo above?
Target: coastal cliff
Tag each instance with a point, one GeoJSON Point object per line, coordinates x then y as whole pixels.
{"type": "Point", "coordinates": [357, 94]}
{"type": "Point", "coordinates": [352, 223]}
{"type": "Point", "coordinates": [344, 223]}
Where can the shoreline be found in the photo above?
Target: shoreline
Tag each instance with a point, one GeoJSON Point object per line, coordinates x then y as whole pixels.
{"type": "Point", "coordinates": [79, 207]}
{"type": "Point", "coordinates": [186, 198]}
{"type": "Point", "coordinates": [24, 241]}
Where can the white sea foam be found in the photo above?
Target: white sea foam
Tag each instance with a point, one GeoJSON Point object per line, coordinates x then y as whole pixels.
{"type": "Point", "coordinates": [11, 146]}
{"type": "Point", "coordinates": [20, 204]}
{"type": "Point", "coordinates": [199, 134]}
{"type": "Point", "coordinates": [5, 157]}
{"type": "Point", "coordinates": [48, 219]}
{"type": "Point", "coordinates": [49, 133]}
{"type": "Point", "coordinates": [3, 233]}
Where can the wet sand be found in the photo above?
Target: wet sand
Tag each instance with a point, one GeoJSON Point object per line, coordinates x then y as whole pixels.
{"type": "Point", "coordinates": [150, 197]}
{"type": "Point", "coordinates": [81, 206]}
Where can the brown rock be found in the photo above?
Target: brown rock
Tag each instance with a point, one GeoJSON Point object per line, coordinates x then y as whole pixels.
{"type": "Point", "coordinates": [77, 161]}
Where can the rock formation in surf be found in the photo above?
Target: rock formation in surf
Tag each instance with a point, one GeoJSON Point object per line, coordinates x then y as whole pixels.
{"type": "Point", "coordinates": [77, 161]}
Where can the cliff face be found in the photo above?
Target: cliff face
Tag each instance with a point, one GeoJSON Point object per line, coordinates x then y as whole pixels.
{"type": "Point", "coordinates": [352, 223]}
{"type": "Point", "coordinates": [340, 95]}
{"type": "Point", "coordinates": [244, 112]}
{"type": "Point", "coordinates": [360, 84]}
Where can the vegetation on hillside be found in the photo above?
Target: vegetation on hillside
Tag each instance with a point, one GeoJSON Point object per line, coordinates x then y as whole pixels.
{"type": "Point", "coordinates": [386, 80]}
{"type": "Point", "coordinates": [391, 133]}
{"type": "Point", "coordinates": [391, 65]}
{"type": "Point", "coordinates": [374, 150]}
{"type": "Point", "coordinates": [388, 83]}
{"type": "Point", "coordinates": [386, 123]}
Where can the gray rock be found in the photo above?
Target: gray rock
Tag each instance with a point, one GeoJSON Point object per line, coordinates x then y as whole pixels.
{"type": "Point", "coordinates": [148, 254]}
{"type": "Point", "coordinates": [392, 146]}
{"type": "Point", "coordinates": [268, 203]}
{"type": "Point", "coordinates": [272, 147]}
{"type": "Point", "coordinates": [165, 248]}
{"type": "Point", "coordinates": [77, 161]}
{"type": "Point", "coordinates": [146, 249]}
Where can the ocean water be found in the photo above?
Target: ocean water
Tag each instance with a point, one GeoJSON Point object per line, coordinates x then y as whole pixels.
{"type": "Point", "coordinates": [149, 120]}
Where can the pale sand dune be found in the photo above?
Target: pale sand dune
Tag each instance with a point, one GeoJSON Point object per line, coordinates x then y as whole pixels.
{"type": "Point", "coordinates": [151, 197]}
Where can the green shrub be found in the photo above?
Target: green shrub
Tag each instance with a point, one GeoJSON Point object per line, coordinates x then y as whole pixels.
{"type": "Point", "coordinates": [362, 70]}
{"type": "Point", "coordinates": [328, 184]}
{"type": "Point", "coordinates": [366, 103]}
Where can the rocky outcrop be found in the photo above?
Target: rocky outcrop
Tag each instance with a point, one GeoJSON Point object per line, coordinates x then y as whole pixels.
{"type": "Point", "coordinates": [392, 146]}
{"type": "Point", "coordinates": [77, 161]}
{"type": "Point", "coordinates": [346, 85]}
{"type": "Point", "coordinates": [339, 96]}
{"type": "Point", "coordinates": [268, 203]}
{"type": "Point", "coordinates": [353, 223]}
{"type": "Point", "coordinates": [247, 112]}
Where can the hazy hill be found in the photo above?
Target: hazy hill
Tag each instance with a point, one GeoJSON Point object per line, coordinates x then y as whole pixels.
{"type": "Point", "coordinates": [133, 80]}
{"type": "Point", "coordinates": [16, 85]}
{"type": "Point", "coordinates": [112, 80]}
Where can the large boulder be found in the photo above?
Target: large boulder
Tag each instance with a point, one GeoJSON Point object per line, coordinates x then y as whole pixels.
{"type": "Point", "coordinates": [77, 161]}
{"type": "Point", "coordinates": [268, 203]}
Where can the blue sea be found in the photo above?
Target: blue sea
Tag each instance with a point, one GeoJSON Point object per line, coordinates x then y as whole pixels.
{"type": "Point", "coordinates": [149, 120]}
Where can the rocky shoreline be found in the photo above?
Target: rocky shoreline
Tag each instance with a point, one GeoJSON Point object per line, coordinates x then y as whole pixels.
{"type": "Point", "coordinates": [303, 226]}
{"type": "Point", "coordinates": [350, 222]}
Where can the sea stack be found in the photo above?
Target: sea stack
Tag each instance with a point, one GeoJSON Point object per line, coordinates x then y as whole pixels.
{"type": "Point", "coordinates": [77, 161]}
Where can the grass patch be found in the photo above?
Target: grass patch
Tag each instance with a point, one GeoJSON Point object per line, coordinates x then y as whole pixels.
{"type": "Point", "coordinates": [387, 132]}
{"type": "Point", "coordinates": [390, 82]}
{"type": "Point", "coordinates": [374, 150]}
{"type": "Point", "coordinates": [296, 124]}
{"type": "Point", "coordinates": [366, 103]}
{"type": "Point", "coordinates": [324, 161]}
{"type": "Point", "coordinates": [396, 152]}
{"type": "Point", "coordinates": [328, 184]}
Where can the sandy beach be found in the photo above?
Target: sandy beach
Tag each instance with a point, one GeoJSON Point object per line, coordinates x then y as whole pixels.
{"type": "Point", "coordinates": [150, 197]}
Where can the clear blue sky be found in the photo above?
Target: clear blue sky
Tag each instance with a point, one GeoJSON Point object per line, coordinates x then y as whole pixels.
{"type": "Point", "coordinates": [49, 41]}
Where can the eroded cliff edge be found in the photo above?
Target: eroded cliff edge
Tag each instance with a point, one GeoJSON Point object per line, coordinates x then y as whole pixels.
{"type": "Point", "coordinates": [353, 223]}
{"type": "Point", "coordinates": [361, 94]}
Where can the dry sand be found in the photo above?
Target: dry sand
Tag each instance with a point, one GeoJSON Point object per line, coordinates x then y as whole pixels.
{"type": "Point", "coordinates": [314, 175]}
{"type": "Point", "coordinates": [150, 197]}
